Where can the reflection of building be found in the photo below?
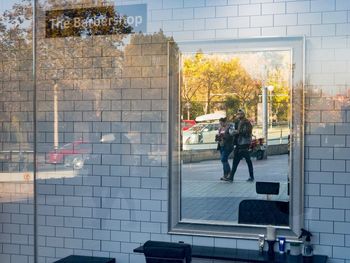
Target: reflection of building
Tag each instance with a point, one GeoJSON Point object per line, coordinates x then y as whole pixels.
{"type": "Point", "coordinates": [113, 84]}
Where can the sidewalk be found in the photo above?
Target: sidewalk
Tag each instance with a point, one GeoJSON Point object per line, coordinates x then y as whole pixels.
{"type": "Point", "coordinates": [205, 197]}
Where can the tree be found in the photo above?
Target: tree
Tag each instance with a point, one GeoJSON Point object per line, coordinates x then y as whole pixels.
{"type": "Point", "coordinates": [201, 80]}
{"type": "Point", "coordinates": [190, 76]}
{"type": "Point", "coordinates": [281, 95]}
{"type": "Point", "coordinates": [16, 71]}
{"type": "Point", "coordinates": [232, 104]}
{"type": "Point", "coordinates": [213, 79]}
{"type": "Point", "coordinates": [237, 81]}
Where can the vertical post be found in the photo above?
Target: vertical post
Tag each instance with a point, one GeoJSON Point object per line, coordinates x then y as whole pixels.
{"type": "Point", "coordinates": [270, 108]}
{"type": "Point", "coordinates": [34, 75]}
{"type": "Point", "coordinates": [281, 134]}
{"type": "Point", "coordinates": [188, 106]}
{"type": "Point", "coordinates": [265, 117]}
{"type": "Point", "coordinates": [55, 117]}
{"type": "Point", "coordinates": [270, 89]}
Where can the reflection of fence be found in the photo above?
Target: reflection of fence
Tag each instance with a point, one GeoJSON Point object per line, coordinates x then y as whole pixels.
{"type": "Point", "coordinates": [15, 160]}
{"type": "Point", "coordinates": [199, 155]}
{"type": "Point", "coordinates": [277, 134]}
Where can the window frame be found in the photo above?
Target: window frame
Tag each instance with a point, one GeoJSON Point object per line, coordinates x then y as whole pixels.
{"type": "Point", "coordinates": [175, 225]}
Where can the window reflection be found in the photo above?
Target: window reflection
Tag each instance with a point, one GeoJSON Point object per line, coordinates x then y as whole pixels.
{"type": "Point", "coordinates": [215, 85]}
{"type": "Point", "coordinates": [16, 128]}
{"type": "Point", "coordinates": [16, 131]}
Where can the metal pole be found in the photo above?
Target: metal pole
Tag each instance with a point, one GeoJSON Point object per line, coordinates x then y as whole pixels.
{"type": "Point", "coordinates": [35, 139]}
{"type": "Point", "coordinates": [265, 117]}
{"type": "Point", "coordinates": [55, 114]}
{"type": "Point", "coordinates": [270, 109]}
{"type": "Point", "coordinates": [281, 134]}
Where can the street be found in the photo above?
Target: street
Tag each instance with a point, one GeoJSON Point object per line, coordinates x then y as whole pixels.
{"type": "Point", "coordinates": [205, 197]}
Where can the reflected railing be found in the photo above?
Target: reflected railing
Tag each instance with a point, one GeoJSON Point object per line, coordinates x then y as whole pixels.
{"type": "Point", "coordinates": [278, 134]}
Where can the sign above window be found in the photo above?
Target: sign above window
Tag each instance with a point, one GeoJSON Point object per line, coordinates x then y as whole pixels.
{"type": "Point", "coordinates": [105, 20]}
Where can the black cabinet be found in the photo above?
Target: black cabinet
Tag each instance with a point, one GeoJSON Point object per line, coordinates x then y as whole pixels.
{"type": "Point", "coordinates": [244, 255]}
{"type": "Point", "coordinates": [85, 259]}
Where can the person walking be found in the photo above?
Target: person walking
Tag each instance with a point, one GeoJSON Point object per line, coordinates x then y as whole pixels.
{"type": "Point", "coordinates": [225, 145]}
{"type": "Point", "coordinates": [243, 133]}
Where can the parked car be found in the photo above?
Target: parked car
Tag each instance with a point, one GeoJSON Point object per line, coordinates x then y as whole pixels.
{"type": "Point", "coordinates": [201, 133]}
{"type": "Point", "coordinates": [186, 124]}
{"type": "Point", "coordinates": [71, 154]}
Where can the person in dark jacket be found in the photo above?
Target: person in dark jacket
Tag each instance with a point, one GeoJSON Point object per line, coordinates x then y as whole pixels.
{"type": "Point", "coordinates": [225, 145]}
{"type": "Point", "coordinates": [243, 133]}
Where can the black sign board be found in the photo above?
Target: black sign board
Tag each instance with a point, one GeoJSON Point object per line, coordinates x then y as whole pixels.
{"type": "Point", "coordinates": [104, 20]}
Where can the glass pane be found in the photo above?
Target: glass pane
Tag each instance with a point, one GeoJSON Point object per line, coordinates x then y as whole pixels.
{"type": "Point", "coordinates": [102, 134]}
{"type": "Point", "coordinates": [101, 125]}
{"type": "Point", "coordinates": [232, 142]}
{"type": "Point", "coordinates": [16, 132]}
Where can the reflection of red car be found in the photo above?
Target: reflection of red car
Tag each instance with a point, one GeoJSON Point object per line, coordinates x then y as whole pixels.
{"type": "Point", "coordinates": [70, 154]}
{"type": "Point", "coordinates": [186, 124]}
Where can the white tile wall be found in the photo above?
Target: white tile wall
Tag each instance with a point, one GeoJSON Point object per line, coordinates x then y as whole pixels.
{"type": "Point", "coordinates": [226, 33]}
{"type": "Point", "coordinates": [215, 23]}
{"type": "Point", "coordinates": [274, 31]}
{"type": "Point", "coordinates": [298, 7]}
{"type": "Point", "coordinates": [342, 5]}
{"type": "Point", "coordinates": [309, 18]}
{"type": "Point", "coordinates": [323, 30]}
{"type": "Point", "coordinates": [163, 14]}
{"type": "Point", "coordinates": [249, 10]}
{"type": "Point", "coordinates": [322, 5]}
{"type": "Point", "coordinates": [261, 21]}
{"type": "Point", "coordinates": [285, 20]}
{"type": "Point", "coordinates": [183, 13]}
{"type": "Point", "coordinates": [204, 12]}
{"type": "Point", "coordinates": [238, 22]}
{"type": "Point", "coordinates": [334, 17]}
{"type": "Point", "coordinates": [226, 11]}
{"type": "Point", "coordinates": [332, 215]}
{"type": "Point", "coordinates": [194, 3]}
{"type": "Point", "coordinates": [248, 32]}
{"type": "Point", "coordinates": [124, 203]}
{"type": "Point", "coordinates": [273, 8]}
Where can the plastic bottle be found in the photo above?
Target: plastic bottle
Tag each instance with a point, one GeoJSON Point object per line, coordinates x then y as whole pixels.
{"type": "Point", "coordinates": [307, 247]}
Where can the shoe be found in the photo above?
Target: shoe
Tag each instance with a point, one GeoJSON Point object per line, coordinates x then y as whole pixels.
{"type": "Point", "coordinates": [224, 177]}
{"type": "Point", "coordinates": [250, 179]}
{"type": "Point", "coordinates": [227, 179]}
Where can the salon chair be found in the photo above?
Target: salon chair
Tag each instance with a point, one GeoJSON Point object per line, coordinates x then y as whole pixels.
{"type": "Point", "coordinates": [267, 188]}
{"type": "Point", "coordinates": [167, 252]}
{"type": "Point", "coordinates": [264, 212]}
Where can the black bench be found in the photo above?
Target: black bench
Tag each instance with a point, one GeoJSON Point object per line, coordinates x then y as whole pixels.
{"type": "Point", "coordinates": [85, 259]}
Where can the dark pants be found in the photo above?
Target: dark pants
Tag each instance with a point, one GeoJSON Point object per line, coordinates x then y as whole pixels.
{"type": "Point", "coordinates": [224, 154]}
{"type": "Point", "coordinates": [241, 151]}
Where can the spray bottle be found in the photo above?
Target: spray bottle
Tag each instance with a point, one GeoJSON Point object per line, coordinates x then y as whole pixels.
{"type": "Point", "coordinates": [307, 247]}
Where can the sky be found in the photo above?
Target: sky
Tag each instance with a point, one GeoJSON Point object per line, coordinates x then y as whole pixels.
{"type": "Point", "coordinates": [7, 4]}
